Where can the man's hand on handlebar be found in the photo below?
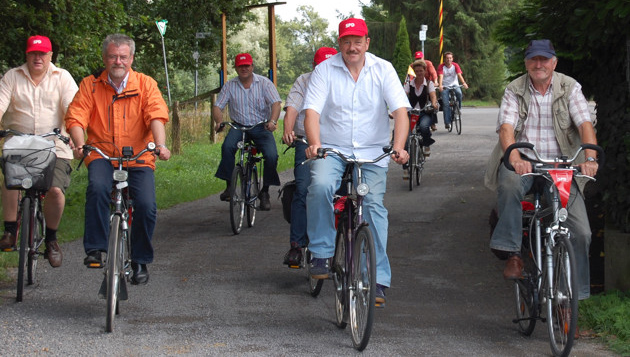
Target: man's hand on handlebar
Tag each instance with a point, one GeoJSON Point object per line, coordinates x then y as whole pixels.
{"type": "Point", "coordinates": [311, 151]}
{"type": "Point", "coordinates": [521, 166]}
{"type": "Point", "coordinates": [162, 153]}
{"type": "Point", "coordinates": [400, 156]}
{"type": "Point", "coordinates": [589, 168]}
{"type": "Point", "coordinates": [288, 138]}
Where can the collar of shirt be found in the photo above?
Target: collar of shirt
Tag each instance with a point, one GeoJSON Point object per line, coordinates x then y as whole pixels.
{"type": "Point", "coordinates": [123, 84]}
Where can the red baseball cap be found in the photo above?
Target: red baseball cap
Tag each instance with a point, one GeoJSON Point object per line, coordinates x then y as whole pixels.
{"type": "Point", "coordinates": [352, 27]}
{"type": "Point", "coordinates": [39, 44]}
{"type": "Point", "coordinates": [419, 55]}
{"type": "Point", "coordinates": [243, 59]}
{"type": "Point", "coordinates": [322, 54]}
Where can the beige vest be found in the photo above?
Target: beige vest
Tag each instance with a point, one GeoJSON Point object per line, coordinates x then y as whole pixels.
{"type": "Point", "coordinates": [567, 134]}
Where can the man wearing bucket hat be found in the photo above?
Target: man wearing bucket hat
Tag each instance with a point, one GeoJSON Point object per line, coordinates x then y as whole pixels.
{"type": "Point", "coordinates": [252, 99]}
{"type": "Point", "coordinates": [347, 106]}
{"type": "Point", "coordinates": [33, 99]}
{"type": "Point", "coordinates": [294, 128]}
{"type": "Point", "coordinates": [547, 109]}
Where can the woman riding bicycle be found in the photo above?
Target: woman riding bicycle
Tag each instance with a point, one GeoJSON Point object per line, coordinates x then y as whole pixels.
{"type": "Point", "coordinates": [420, 91]}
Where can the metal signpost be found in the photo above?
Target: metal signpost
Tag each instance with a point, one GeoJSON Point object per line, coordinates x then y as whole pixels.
{"type": "Point", "coordinates": [161, 25]}
{"type": "Point", "coordinates": [423, 35]}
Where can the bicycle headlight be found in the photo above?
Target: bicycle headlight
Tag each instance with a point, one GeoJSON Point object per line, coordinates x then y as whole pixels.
{"type": "Point", "coordinates": [120, 175]}
{"type": "Point", "coordinates": [563, 214]}
{"type": "Point", "coordinates": [240, 145]}
{"type": "Point", "coordinates": [363, 189]}
{"type": "Point", "coordinates": [27, 183]}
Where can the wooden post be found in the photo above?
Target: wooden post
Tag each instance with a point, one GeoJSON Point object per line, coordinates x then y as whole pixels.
{"type": "Point", "coordinates": [176, 145]}
{"type": "Point", "coordinates": [273, 65]}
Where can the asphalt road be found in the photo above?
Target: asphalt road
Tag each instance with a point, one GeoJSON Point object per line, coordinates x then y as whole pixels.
{"type": "Point", "coordinates": [213, 293]}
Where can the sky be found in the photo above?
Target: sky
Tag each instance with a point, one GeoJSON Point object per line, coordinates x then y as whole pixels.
{"type": "Point", "coordinates": [325, 9]}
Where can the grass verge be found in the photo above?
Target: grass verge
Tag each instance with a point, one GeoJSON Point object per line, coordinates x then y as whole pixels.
{"type": "Point", "coordinates": [606, 315]}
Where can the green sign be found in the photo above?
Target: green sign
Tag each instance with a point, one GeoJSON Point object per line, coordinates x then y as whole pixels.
{"type": "Point", "coordinates": [161, 25]}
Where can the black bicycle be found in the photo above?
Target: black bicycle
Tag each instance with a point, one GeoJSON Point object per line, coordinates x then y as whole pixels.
{"type": "Point", "coordinates": [245, 184]}
{"type": "Point", "coordinates": [415, 147]}
{"type": "Point", "coordinates": [28, 165]}
{"type": "Point", "coordinates": [456, 113]}
{"type": "Point", "coordinates": [118, 271]}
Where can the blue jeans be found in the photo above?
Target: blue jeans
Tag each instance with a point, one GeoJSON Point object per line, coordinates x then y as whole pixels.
{"type": "Point", "coordinates": [507, 235]}
{"type": "Point", "coordinates": [265, 142]}
{"type": "Point", "coordinates": [325, 180]}
{"type": "Point", "coordinates": [298, 205]}
{"type": "Point", "coordinates": [447, 108]}
{"type": "Point", "coordinates": [424, 127]}
{"type": "Point", "coordinates": [98, 197]}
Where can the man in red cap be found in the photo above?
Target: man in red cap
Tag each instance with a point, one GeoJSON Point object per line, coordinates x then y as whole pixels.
{"type": "Point", "coordinates": [33, 99]}
{"type": "Point", "coordinates": [294, 129]}
{"type": "Point", "coordinates": [252, 99]}
{"type": "Point", "coordinates": [347, 105]}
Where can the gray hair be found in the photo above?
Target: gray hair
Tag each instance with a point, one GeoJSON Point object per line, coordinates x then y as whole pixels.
{"type": "Point", "coordinates": [118, 40]}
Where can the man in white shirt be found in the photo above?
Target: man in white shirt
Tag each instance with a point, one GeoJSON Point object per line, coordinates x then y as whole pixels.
{"type": "Point", "coordinates": [33, 99]}
{"type": "Point", "coordinates": [347, 105]}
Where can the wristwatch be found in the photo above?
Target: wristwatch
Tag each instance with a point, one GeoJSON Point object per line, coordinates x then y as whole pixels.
{"type": "Point", "coordinates": [161, 146]}
{"type": "Point", "coordinates": [591, 159]}
{"type": "Point", "coordinates": [274, 122]}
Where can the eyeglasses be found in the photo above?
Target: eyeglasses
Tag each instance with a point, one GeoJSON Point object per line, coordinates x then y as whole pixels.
{"type": "Point", "coordinates": [114, 58]}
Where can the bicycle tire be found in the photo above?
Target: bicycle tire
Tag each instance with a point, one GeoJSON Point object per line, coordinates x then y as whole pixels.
{"type": "Point", "coordinates": [25, 236]}
{"type": "Point", "coordinates": [114, 270]}
{"type": "Point", "coordinates": [420, 159]}
{"type": "Point", "coordinates": [562, 302]}
{"type": "Point", "coordinates": [237, 200]}
{"type": "Point", "coordinates": [340, 277]}
{"type": "Point", "coordinates": [252, 197]}
{"type": "Point", "coordinates": [450, 127]}
{"type": "Point", "coordinates": [457, 120]}
{"type": "Point", "coordinates": [363, 291]}
{"type": "Point", "coordinates": [411, 164]}
{"type": "Point", "coordinates": [315, 285]}
{"type": "Point", "coordinates": [526, 308]}
{"type": "Point", "coordinates": [38, 230]}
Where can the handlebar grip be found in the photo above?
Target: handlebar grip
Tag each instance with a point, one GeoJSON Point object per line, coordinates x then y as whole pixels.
{"type": "Point", "coordinates": [321, 152]}
{"type": "Point", "coordinates": [508, 151]}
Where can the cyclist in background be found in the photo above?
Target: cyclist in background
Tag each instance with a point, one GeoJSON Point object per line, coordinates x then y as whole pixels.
{"type": "Point", "coordinates": [35, 97]}
{"type": "Point", "coordinates": [252, 99]}
{"type": "Point", "coordinates": [134, 117]}
{"type": "Point", "coordinates": [547, 109]}
{"type": "Point", "coordinates": [294, 128]}
{"type": "Point", "coordinates": [448, 74]}
{"type": "Point", "coordinates": [346, 107]}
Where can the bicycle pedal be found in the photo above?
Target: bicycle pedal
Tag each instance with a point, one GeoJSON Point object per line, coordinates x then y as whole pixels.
{"type": "Point", "coordinates": [379, 305]}
{"type": "Point", "coordinates": [294, 266]}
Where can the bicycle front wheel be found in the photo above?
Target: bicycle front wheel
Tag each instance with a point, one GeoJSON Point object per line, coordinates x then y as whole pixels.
{"type": "Point", "coordinates": [237, 200]}
{"type": "Point", "coordinates": [252, 197]}
{"type": "Point", "coordinates": [315, 285]}
{"type": "Point", "coordinates": [420, 158]}
{"type": "Point", "coordinates": [340, 277]}
{"type": "Point", "coordinates": [363, 288]}
{"type": "Point", "coordinates": [38, 231]}
{"type": "Point", "coordinates": [25, 242]}
{"type": "Point", "coordinates": [413, 159]}
{"type": "Point", "coordinates": [457, 120]}
{"type": "Point", "coordinates": [562, 302]}
{"type": "Point", "coordinates": [114, 270]}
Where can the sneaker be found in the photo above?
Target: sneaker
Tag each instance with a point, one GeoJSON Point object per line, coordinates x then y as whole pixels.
{"type": "Point", "coordinates": [293, 258]}
{"type": "Point", "coordinates": [405, 174]}
{"type": "Point", "coordinates": [265, 205]}
{"type": "Point", "coordinates": [319, 268]}
{"type": "Point", "coordinates": [225, 195]}
{"type": "Point", "coordinates": [447, 126]}
{"type": "Point", "coordinates": [426, 150]}
{"type": "Point", "coordinates": [94, 259]}
{"type": "Point", "coordinates": [433, 127]}
{"type": "Point", "coordinates": [8, 241]}
{"type": "Point", "coordinates": [380, 294]}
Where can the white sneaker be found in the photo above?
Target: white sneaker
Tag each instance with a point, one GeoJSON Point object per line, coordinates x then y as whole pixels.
{"type": "Point", "coordinates": [426, 150]}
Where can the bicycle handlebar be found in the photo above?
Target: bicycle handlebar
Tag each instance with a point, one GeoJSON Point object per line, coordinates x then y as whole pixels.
{"type": "Point", "coordinates": [87, 148]}
{"type": "Point", "coordinates": [240, 127]}
{"type": "Point", "coordinates": [428, 108]}
{"type": "Point", "coordinates": [300, 139]}
{"type": "Point", "coordinates": [321, 153]}
{"type": "Point", "coordinates": [56, 132]}
{"type": "Point", "coordinates": [562, 160]}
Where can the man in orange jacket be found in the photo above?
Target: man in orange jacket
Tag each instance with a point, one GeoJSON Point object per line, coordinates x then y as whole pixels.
{"type": "Point", "coordinates": [119, 107]}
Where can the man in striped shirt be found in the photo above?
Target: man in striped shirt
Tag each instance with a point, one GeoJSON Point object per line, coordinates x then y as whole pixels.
{"type": "Point", "coordinates": [252, 99]}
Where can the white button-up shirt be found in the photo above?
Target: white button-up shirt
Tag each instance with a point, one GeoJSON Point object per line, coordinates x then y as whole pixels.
{"type": "Point", "coordinates": [354, 115]}
{"type": "Point", "coordinates": [37, 109]}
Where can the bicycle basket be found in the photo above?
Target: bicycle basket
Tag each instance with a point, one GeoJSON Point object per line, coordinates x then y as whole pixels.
{"type": "Point", "coordinates": [286, 196]}
{"type": "Point", "coordinates": [28, 162]}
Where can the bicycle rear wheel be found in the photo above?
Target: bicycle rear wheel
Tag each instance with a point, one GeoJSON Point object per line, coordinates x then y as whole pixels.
{"type": "Point", "coordinates": [237, 199]}
{"type": "Point", "coordinates": [340, 277]}
{"type": "Point", "coordinates": [25, 243]}
{"type": "Point", "coordinates": [457, 120]}
{"type": "Point", "coordinates": [315, 285]}
{"type": "Point", "coordinates": [363, 288]}
{"type": "Point", "coordinates": [562, 304]}
{"type": "Point", "coordinates": [114, 270]}
{"type": "Point", "coordinates": [420, 158]}
{"type": "Point", "coordinates": [413, 156]}
{"type": "Point", "coordinates": [38, 232]}
{"type": "Point", "coordinates": [254, 189]}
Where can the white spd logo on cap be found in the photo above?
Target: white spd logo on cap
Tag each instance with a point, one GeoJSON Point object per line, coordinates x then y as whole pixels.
{"type": "Point", "coordinates": [37, 42]}
{"type": "Point", "coordinates": [242, 57]}
{"type": "Point", "coordinates": [351, 24]}
{"type": "Point", "coordinates": [328, 55]}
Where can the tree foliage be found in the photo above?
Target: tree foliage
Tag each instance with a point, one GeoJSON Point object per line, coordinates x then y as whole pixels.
{"type": "Point", "coordinates": [592, 40]}
{"type": "Point", "coordinates": [402, 52]}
